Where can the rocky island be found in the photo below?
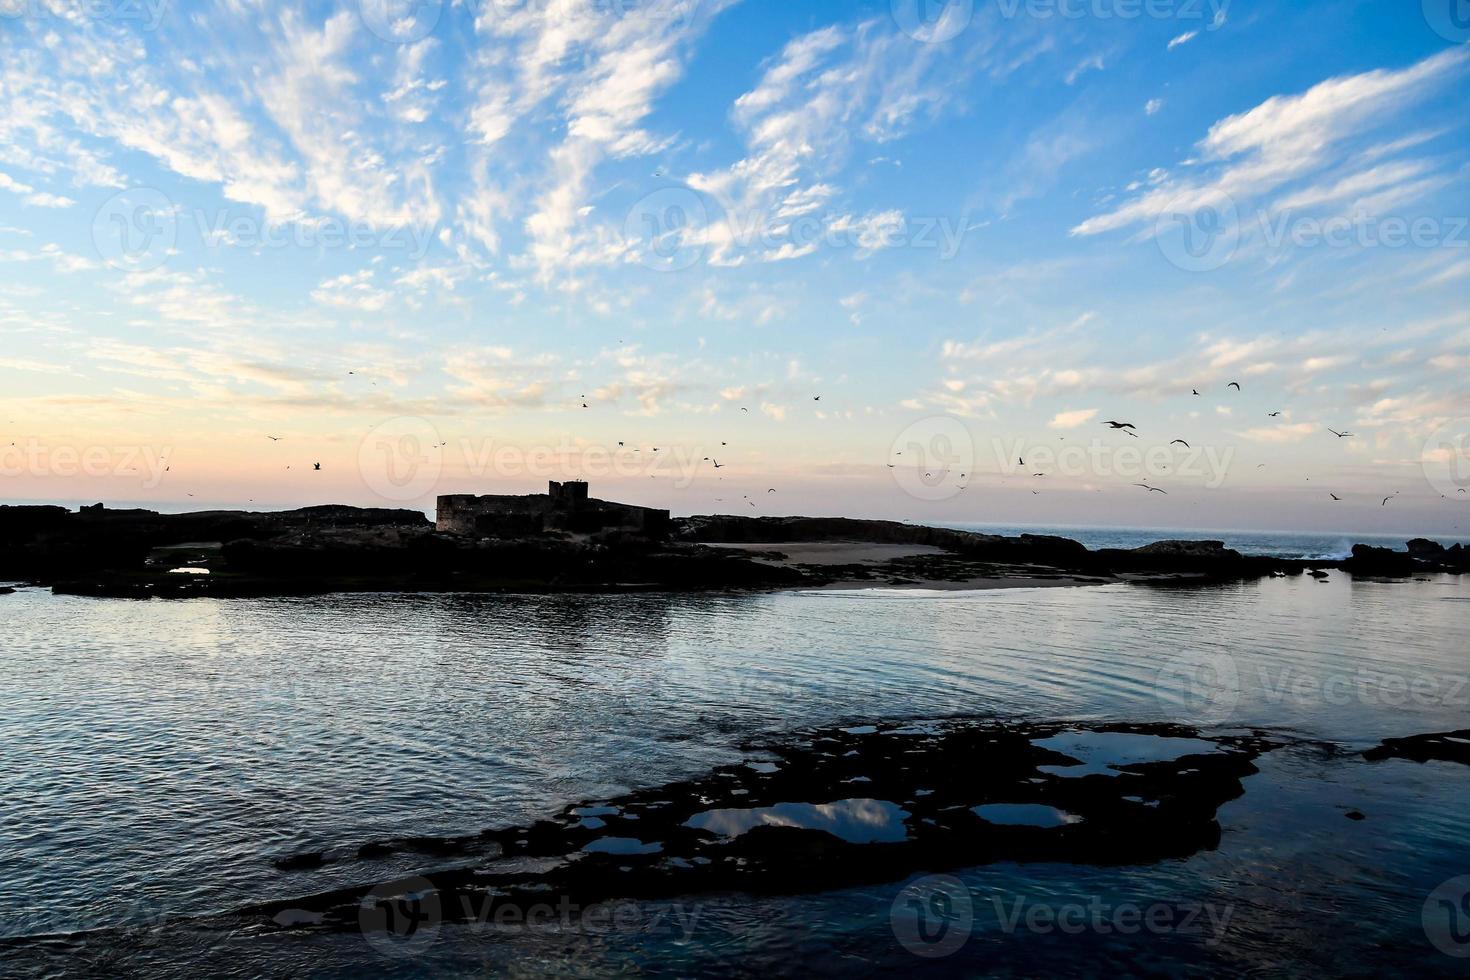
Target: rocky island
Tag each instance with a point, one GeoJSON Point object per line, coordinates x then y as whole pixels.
{"type": "Point", "coordinates": [566, 540]}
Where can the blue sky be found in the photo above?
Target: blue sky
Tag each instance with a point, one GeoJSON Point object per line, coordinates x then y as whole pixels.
{"type": "Point", "coordinates": [413, 240]}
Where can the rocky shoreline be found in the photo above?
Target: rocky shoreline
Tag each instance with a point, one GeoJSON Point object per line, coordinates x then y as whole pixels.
{"type": "Point", "coordinates": [823, 809]}
{"type": "Point", "coordinates": [230, 554]}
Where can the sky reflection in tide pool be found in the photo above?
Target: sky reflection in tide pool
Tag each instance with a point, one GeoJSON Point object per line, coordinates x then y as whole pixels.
{"type": "Point", "coordinates": [855, 821]}
{"type": "Point", "coordinates": [1098, 753]}
{"type": "Point", "coordinates": [1024, 815]}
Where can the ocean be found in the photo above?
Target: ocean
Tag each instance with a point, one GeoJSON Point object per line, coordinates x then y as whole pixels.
{"type": "Point", "coordinates": [1308, 546]}
{"type": "Point", "coordinates": [157, 757]}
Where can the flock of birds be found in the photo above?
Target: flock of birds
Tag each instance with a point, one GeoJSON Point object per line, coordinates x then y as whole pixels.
{"type": "Point", "coordinates": [1129, 429]}
{"type": "Point", "coordinates": [1116, 425]}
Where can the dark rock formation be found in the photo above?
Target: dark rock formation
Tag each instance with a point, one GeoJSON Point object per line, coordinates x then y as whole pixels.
{"type": "Point", "coordinates": [1032, 549]}
{"type": "Point", "coordinates": [1424, 548]}
{"type": "Point", "coordinates": [1438, 746]}
{"type": "Point", "coordinates": [1207, 559]}
{"type": "Point", "coordinates": [131, 553]}
{"type": "Point", "coordinates": [44, 542]}
{"type": "Point", "coordinates": [1370, 561]}
{"type": "Point", "coordinates": [1422, 555]}
{"type": "Point", "coordinates": [827, 809]}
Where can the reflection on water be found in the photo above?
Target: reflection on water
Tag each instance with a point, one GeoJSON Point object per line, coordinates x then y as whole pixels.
{"type": "Point", "coordinates": [855, 821]}
{"type": "Point", "coordinates": [1024, 815]}
{"type": "Point", "coordinates": [1100, 753]}
{"type": "Point", "coordinates": [158, 756]}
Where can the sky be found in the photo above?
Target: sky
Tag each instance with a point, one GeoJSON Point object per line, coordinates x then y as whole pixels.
{"type": "Point", "coordinates": [899, 260]}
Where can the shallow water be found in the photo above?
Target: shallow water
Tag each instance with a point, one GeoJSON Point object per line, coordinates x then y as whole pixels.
{"type": "Point", "coordinates": [158, 756]}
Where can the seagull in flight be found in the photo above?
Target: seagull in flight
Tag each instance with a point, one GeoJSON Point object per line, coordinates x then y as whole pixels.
{"type": "Point", "coordinates": [1194, 391]}
{"type": "Point", "coordinates": [1152, 489]}
{"type": "Point", "coordinates": [1234, 384]}
{"type": "Point", "coordinates": [274, 438]}
{"type": "Point", "coordinates": [1340, 435]}
{"type": "Point", "coordinates": [1182, 443]}
{"type": "Point", "coordinates": [1273, 415]}
{"type": "Point", "coordinates": [317, 467]}
{"type": "Point", "coordinates": [1333, 495]}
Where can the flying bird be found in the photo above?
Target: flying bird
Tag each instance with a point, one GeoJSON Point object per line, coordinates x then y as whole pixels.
{"type": "Point", "coordinates": [1386, 500]}
{"type": "Point", "coordinates": [1120, 425]}
{"type": "Point", "coordinates": [1194, 391]}
{"type": "Point", "coordinates": [274, 438]}
{"type": "Point", "coordinates": [1333, 495]}
{"type": "Point", "coordinates": [1152, 489]}
{"type": "Point", "coordinates": [1234, 384]}
{"type": "Point", "coordinates": [1273, 415]}
{"type": "Point", "coordinates": [1340, 435]}
{"type": "Point", "coordinates": [1182, 443]}
{"type": "Point", "coordinates": [317, 467]}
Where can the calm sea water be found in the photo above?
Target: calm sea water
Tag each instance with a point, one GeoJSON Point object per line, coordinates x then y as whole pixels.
{"type": "Point", "coordinates": [1311, 546]}
{"type": "Point", "coordinates": [156, 756]}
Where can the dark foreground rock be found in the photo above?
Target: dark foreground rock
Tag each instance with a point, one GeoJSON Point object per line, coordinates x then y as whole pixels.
{"type": "Point", "coordinates": [1431, 747]}
{"type": "Point", "coordinates": [822, 810]}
